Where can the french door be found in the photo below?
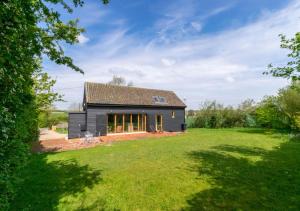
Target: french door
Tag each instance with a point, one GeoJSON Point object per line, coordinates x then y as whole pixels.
{"type": "Point", "coordinates": [159, 123]}
{"type": "Point", "coordinates": [124, 123]}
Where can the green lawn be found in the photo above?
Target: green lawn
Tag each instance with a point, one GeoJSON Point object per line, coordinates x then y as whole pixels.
{"type": "Point", "coordinates": [204, 169]}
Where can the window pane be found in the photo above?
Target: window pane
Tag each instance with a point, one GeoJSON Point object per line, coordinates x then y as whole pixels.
{"type": "Point", "coordinates": [110, 123]}
{"type": "Point", "coordinates": [128, 127]}
{"type": "Point", "coordinates": [119, 128]}
{"type": "Point", "coordinates": [135, 122]}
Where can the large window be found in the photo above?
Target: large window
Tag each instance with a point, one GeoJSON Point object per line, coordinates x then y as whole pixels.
{"type": "Point", "coordinates": [128, 126]}
{"type": "Point", "coordinates": [126, 123]}
{"type": "Point", "coordinates": [119, 123]}
{"type": "Point", "coordinates": [111, 123]}
{"type": "Point", "coordinates": [135, 122]}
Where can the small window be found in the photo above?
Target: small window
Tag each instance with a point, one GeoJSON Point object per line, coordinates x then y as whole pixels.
{"type": "Point", "coordinates": [173, 114]}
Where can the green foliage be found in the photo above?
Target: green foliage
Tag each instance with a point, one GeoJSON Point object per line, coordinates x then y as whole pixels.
{"type": "Point", "coordinates": [215, 115]}
{"type": "Point", "coordinates": [62, 130]}
{"type": "Point", "coordinates": [190, 121]}
{"type": "Point", "coordinates": [42, 86]}
{"type": "Point", "coordinates": [14, 152]}
{"type": "Point", "coordinates": [281, 111]}
{"type": "Point", "coordinates": [292, 68]}
{"type": "Point", "coordinates": [278, 112]}
{"type": "Point", "coordinates": [29, 30]}
{"type": "Point", "coordinates": [269, 114]}
{"type": "Point", "coordinates": [289, 99]}
{"type": "Point", "coordinates": [48, 118]}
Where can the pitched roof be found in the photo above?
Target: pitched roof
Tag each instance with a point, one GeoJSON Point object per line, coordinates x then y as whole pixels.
{"type": "Point", "coordinates": [97, 93]}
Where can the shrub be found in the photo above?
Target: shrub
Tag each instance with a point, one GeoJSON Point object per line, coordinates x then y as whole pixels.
{"type": "Point", "coordinates": [190, 122]}
{"type": "Point", "coordinates": [281, 111]}
{"type": "Point", "coordinates": [289, 101]}
{"type": "Point", "coordinates": [48, 119]}
{"type": "Point", "coordinates": [14, 153]}
{"type": "Point", "coordinates": [269, 114]}
{"type": "Point", "coordinates": [215, 115]}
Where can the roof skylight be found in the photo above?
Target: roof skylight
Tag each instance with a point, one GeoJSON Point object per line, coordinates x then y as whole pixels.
{"type": "Point", "coordinates": [159, 100]}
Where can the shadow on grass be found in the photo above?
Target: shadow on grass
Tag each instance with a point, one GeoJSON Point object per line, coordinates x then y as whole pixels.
{"type": "Point", "coordinates": [239, 184]}
{"type": "Point", "coordinates": [254, 130]}
{"type": "Point", "coordinates": [43, 183]}
{"type": "Point", "coordinates": [251, 151]}
{"type": "Point", "coordinates": [265, 131]}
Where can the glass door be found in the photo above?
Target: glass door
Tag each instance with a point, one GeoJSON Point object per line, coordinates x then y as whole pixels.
{"type": "Point", "coordinates": [127, 123]}
{"type": "Point", "coordinates": [119, 123]}
{"type": "Point", "coordinates": [159, 123]}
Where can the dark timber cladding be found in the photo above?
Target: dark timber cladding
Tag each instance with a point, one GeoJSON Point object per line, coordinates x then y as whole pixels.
{"type": "Point", "coordinates": [120, 109]}
{"type": "Point", "coordinates": [76, 124]}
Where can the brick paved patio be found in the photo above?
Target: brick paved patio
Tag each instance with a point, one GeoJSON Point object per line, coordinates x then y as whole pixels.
{"type": "Point", "coordinates": [57, 145]}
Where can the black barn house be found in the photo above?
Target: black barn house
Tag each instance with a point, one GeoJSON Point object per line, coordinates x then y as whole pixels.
{"type": "Point", "coordinates": [110, 109]}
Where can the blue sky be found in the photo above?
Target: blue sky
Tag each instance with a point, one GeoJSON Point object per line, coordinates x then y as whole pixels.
{"type": "Point", "coordinates": [201, 49]}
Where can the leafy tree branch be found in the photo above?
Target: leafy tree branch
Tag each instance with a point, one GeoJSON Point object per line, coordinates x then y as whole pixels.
{"type": "Point", "coordinates": [292, 68]}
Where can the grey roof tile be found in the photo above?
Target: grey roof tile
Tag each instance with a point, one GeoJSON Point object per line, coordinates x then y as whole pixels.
{"type": "Point", "coordinates": [98, 93]}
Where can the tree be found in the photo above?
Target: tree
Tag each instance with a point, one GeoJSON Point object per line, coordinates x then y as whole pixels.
{"type": "Point", "coordinates": [130, 83]}
{"type": "Point", "coordinates": [289, 100]}
{"type": "Point", "coordinates": [270, 115]}
{"type": "Point", "coordinates": [43, 89]}
{"type": "Point", "coordinates": [292, 68]}
{"type": "Point", "coordinates": [29, 30]}
{"type": "Point", "coordinates": [44, 96]}
{"type": "Point", "coordinates": [247, 110]}
{"type": "Point", "coordinates": [119, 81]}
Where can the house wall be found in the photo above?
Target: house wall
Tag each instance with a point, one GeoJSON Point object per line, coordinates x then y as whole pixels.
{"type": "Point", "coordinates": [99, 114]}
{"type": "Point", "coordinates": [76, 124]}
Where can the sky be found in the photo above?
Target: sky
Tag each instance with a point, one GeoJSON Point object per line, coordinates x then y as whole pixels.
{"type": "Point", "coordinates": [200, 49]}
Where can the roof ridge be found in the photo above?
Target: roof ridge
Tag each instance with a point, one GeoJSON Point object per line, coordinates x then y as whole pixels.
{"type": "Point", "coordinates": [129, 87]}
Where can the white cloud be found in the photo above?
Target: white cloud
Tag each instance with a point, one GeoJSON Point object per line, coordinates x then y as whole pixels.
{"type": "Point", "coordinates": [91, 13]}
{"type": "Point", "coordinates": [218, 10]}
{"type": "Point", "coordinates": [227, 66]}
{"type": "Point", "coordinates": [83, 39]}
{"type": "Point", "coordinates": [181, 19]}
{"type": "Point", "coordinates": [230, 79]}
{"type": "Point", "coordinates": [168, 62]}
{"type": "Point", "coordinates": [197, 26]}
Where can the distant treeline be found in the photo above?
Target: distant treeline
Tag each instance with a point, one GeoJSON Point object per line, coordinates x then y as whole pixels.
{"type": "Point", "coordinates": [281, 111]}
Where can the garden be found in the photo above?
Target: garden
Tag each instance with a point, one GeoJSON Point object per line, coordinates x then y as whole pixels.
{"type": "Point", "coordinates": [203, 169]}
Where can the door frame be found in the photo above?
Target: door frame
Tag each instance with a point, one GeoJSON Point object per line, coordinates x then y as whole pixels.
{"type": "Point", "coordinates": [161, 122]}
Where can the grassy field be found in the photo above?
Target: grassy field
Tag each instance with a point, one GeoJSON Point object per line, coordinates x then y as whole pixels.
{"type": "Point", "coordinates": [204, 169]}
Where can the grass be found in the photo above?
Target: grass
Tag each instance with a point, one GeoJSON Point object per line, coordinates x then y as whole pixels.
{"type": "Point", "coordinates": [204, 169]}
{"type": "Point", "coordinates": [62, 130]}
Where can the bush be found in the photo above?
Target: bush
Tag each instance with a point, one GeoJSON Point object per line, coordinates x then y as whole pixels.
{"type": "Point", "coordinates": [14, 153]}
{"type": "Point", "coordinates": [60, 116]}
{"type": "Point", "coordinates": [269, 114]}
{"type": "Point", "coordinates": [48, 119]}
{"type": "Point", "coordinates": [215, 115]}
{"type": "Point", "coordinates": [281, 111]}
{"type": "Point", "coordinates": [277, 112]}
{"type": "Point", "coordinates": [190, 122]}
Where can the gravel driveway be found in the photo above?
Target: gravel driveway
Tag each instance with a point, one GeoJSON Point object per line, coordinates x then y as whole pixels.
{"type": "Point", "coordinates": [46, 134]}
